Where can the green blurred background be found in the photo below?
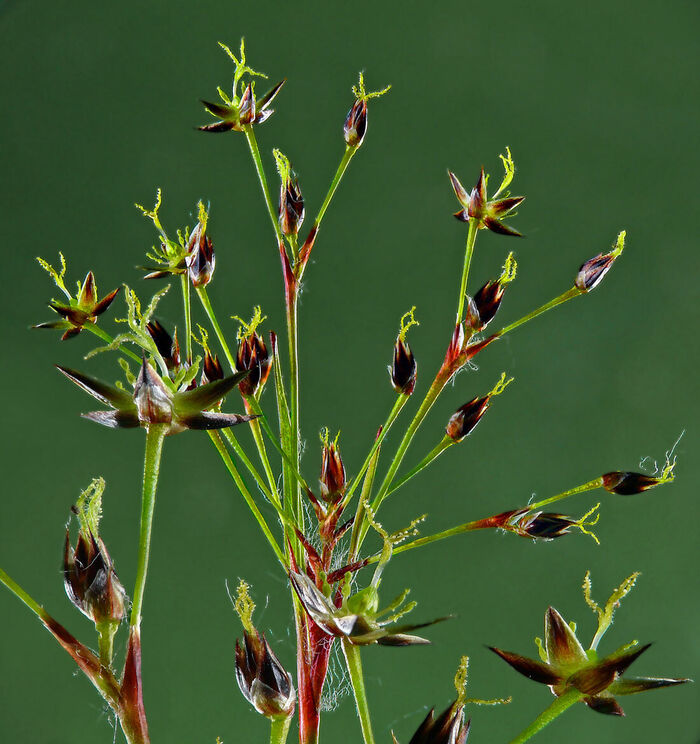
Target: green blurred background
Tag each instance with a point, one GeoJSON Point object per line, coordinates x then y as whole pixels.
{"type": "Point", "coordinates": [599, 103]}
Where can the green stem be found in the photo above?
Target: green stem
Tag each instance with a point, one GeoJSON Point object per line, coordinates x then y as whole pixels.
{"type": "Point", "coordinates": [255, 405]}
{"type": "Point", "coordinates": [568, 295]}
{"type": "Point", "coordinates": [187, 305]}
{"type": "Point", "coordinates": [361, 506]}
{"type": "Point", "coordinates": [236, 446]}
{"type": "Point", "coordinates": [431, 396]}
{"type": "Point", "coordinates": [399, 403]}
{"type": "Point", "coordinates": [437, 450]}
{"type": "Point", "coordinates": [477, 524]}
{"type": "Point", "coordinates": [559, 705]}
{"type": "Point", "coordinates": [233, 471]}
{"type": "Point", "coordinates": [264, 459]}
{"type": "Point", "coordinates": [17, 590]}
{"type": "Point", "coordinates": [255, 153]}
{"type": "Point", "coordinates": [469, 252]}
{"type": "Point", "coordinates": [105, 641]}
{"type": "Point", "coordinates": [589, 486]}
{"type": "Point", "coordinates": [339, 173]}
{"type": "Point", "coordinates": [294, 490]}
{"type": "Point", "coordinates": [97, 331]}
{"type": "Point", "coordinates": [279, 728]}
{"type": "Point", "coordinates": [209, 310]}
{"type": "Point", "coordinates": [354, 664]}
{"type": "Point", "coordinates": [155, 434]}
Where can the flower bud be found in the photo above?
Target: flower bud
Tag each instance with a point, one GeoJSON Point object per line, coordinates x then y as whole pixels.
{"type": "Point", "coordinates": [332, 476]}
{"type": "Point", "coordinates": [403, 368]}
{"type": "Point", "coordinates": [88, 575]}
{"type": "Point", "coordinates": [448, 728]}
{"type": "Point", "coordinates": [90, 581]}
{"type": "Point", "coordinates": [153, 401]}
{"type": "Point", "coordinates": [627, 484]}
{"type": "Point", "coordinates": [592, 272]}
{"type": "Point", "coordinates": [253, 356]}
{"type": "Point", "coordinates": [291, 207]}
{"type": "Point", "coordinates": [167, 345]}
{"type": "Point", "coordinates": [263, 680]}
{"type": "Point", "coordinates": [211, 369]}
{"type": "Point", "coordinates": [200, 259]}
{"type": "Point", "coordinates": [465, 418]}
{"type": "Point", "coordinates": [355, 125]}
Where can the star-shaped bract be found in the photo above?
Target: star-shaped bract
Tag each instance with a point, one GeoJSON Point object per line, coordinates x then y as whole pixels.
{"type": "Point", "coordinates": [79, 310]}
{"type": "Point", "coordinates": [565, 665]}
{"type": "Point", "coordinates": [153, 403]}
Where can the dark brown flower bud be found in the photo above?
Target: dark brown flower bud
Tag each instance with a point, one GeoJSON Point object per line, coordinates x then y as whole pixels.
{"type": "Point", "coordinates": [487, 301]}
{"type": "Point", "coordinates": [200, 259]}
{"type": "Point", "coordinates": [544, 525]}
{"type": "Point", "coordinates": [332, 476]}
{"type": "Point", "coordinates": [403, 368]}
{"type": "Point", "coordinates": [153, 401]}
{"type": "Point", "coordinates": [253, 356]}
{"type": "Point", "coordinates": [355, 125]}
{"type": "Point", "coordinates": [263, 680]}
{"type": "Point", "coordinates": [448, 728]}
{"type": "Point", "coordinates": [466, 417]}
{"type": "Point", "coordinates": [211, 369]}
{"type": "Point", "coordinates": [592, 272]}
{"type": "Point", "coordinates": [167, 345]}
{"type": "Point", "coordinates": [627, 484]}
{"type": "Point", "coordinates": [90, 581]}
{"type": "Point", "coordinates": [291, 207]}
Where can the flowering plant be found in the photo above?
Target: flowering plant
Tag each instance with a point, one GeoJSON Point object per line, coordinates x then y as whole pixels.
{"type": "Point", "coordinates": [316, 534]}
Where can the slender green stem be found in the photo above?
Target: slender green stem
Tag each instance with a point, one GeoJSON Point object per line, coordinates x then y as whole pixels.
{"type": "Point", "coordinates": [477, 524]}
{"type": "Point", "coordinates": [255, 405]}
{"type": "Point", "coordinates": [431, 396]}
{"type": "Point", "coordinates": [589, 486]}
{"type": "Point", "coordinates": [238, 449]}
{"type": "Point", "coordinates": [187, 306]}
{"type": "Point", "coordinates": [233, 471]}
{"type": "Point", "coordinates": [468, 253]}
{"type": "Point", "coordinates": [97, 331]}
{"type": "Point", "coordinates": [255, 152]}
{"type": "Point", "coordinates": [209, 310]}
{"type": "Point", "coordinates": [399, 403]}
{"type": "Point", "coordinates": [264, 459]}
{"type": "Point", "coordinates": [279, 728]}
{"type": "Point", "coordinates": [568, 295]}
{"type": "Point", "coordinates": [557, 707]}
{"type": "Point", "coordinates": [339, 173]}
{"type": "Point", "coordinates": [437, 450]}
{"type": "Point", "coordinates": [17, 590]}
{"type": "Point", "coordinates": [361, 506]}
{"type": "Point", "coordinates": [105, 641]}
{"type": "Point", "coordinates": [295, 491]}
{"type": "Point", "coordinates": [155, 434]}
{"type": "Point", "coordinates": [354, 664]}
{"type": "Point", "coordinates": [104, 682]}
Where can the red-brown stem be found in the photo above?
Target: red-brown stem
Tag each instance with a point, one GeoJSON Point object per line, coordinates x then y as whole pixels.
{"type": "Point", "coordinates": [132, 714]}
{"type": "Point", "coordinates": [313, 653]}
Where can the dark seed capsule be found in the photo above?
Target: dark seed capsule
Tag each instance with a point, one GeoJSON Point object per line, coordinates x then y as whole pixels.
{"type": "Point", "coordinates": [465, 418]}
{"type": "Point", "coordinates": [403, 368]}
{"type": "Point", "coordinates": [355, 125]}
{"type": "Point", "coordinates": [627, 484]}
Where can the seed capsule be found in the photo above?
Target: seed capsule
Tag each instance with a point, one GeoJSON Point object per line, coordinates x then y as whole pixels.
{"type": "Point", "coordinates": [253, 356]}
{"type": "Point", "coordinates": [262, 679]}
{"type": "Point", "coordinates": [90, 580]}
{"type": "Point", "coordinates": [465, 418]}
{"type": "Point", "coordinates": [403, 368]}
